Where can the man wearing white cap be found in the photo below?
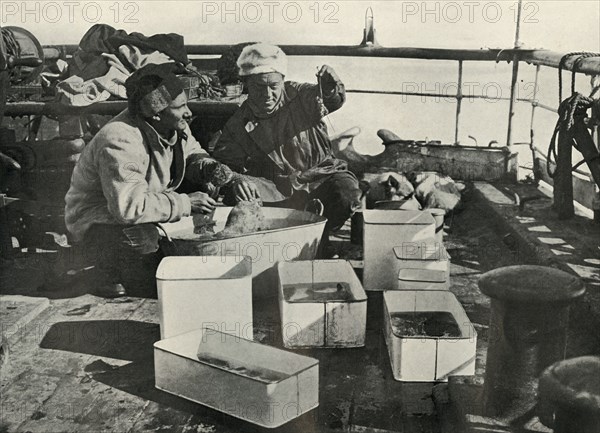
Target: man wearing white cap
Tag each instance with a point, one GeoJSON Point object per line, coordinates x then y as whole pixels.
{"type": "Point", "coordinates": [278, 139]}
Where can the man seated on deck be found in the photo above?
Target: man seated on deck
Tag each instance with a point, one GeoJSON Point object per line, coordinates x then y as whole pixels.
{"type": "Point", "coordinates": [126, 178]}
{"type": "Point", "coordinates": [279, 140]}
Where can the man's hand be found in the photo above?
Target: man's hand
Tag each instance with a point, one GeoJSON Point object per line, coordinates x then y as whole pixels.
{"type": "Point", "coordinates": [328, 78]}
{"type": "Point", "coordinates": [244, 190]}
{"type": "Point", "coordinates": [201, 202]}
{"type": "Point", "coordinates": [218, 174]}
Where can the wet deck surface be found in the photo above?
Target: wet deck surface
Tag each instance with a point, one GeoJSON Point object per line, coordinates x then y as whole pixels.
{"type": "Point", "coordinates": [86, 364]}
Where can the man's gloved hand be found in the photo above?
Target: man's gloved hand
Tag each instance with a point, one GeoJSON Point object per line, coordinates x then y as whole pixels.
{"type": "Point", "coordinates": [328, 79]}
{"type": "Point", "coordinates": [201, 202]}
{"type": "Point", "coordinates": [243, 189]}
{"type": "Point", "coordinates": [217, 174]}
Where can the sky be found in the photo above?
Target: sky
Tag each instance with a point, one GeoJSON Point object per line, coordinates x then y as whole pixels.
{"type": "Point", "coordinates": [558, 25]}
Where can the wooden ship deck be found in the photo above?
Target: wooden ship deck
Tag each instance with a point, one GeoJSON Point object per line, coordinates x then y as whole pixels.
{"type": "Point", "coordinates": [85, 363]}
{"type": "Point", "coordinates": [75, 362]}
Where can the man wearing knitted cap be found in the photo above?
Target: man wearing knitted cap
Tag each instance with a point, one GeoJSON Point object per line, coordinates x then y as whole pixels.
{"type": "Point", "coordinates": [279, 140]}
{"type": "Point", "coordinates": [127, 176]}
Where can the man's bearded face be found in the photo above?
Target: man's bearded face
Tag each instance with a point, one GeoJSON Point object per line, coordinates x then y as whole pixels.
{"type": "Point", "coordinates": [265, 92]}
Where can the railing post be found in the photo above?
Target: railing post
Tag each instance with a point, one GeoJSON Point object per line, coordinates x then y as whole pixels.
{"type": "Point", "coordinates": [531, 131]}
{"type": "Point", "coordinates": [515, 77]}
{"type": "Point", "coordinates": [459, 98]}
{"type": "Point", "coordinates": [511, 109]}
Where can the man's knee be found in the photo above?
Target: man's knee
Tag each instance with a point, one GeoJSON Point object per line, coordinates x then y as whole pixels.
{"type": "Point", "coordinates": [112, 244]}
{"type": "Point", "coordinates": [345, 192]}
{"type": "Point", "coordinates": [141, 239]}
{"type": "Point", "coordinates": [341, 199]}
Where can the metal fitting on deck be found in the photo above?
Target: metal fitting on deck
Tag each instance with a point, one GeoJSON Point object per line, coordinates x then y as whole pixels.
{"type": "Point", "coordinates": [569, 396]}
{"type": "Point", "coordinates": [528, 332]}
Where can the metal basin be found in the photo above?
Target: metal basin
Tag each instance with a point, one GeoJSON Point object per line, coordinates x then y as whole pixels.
{"type": "Point", "coordinates": [290, 235]}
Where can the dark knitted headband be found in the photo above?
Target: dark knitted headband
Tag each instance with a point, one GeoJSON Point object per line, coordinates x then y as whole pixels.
{"type": "Point", "coordinates": [152, 88]}
{"type": "Point", "coordinates": [160, 98]}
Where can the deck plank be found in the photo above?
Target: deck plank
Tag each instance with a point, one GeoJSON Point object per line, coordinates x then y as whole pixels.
{"type": "Point", "coordinates": [147, 312]}
{"type": "Point", "coordinates": [17, 311]}
{"type": "Point", "coordinates": [158, 414]}
{"type": "Point", "coordinates": [75, 348]}
{"type": "Point", "coordinates": [27, 394]}
{"type": "Point", "coordinates": [25, 355]}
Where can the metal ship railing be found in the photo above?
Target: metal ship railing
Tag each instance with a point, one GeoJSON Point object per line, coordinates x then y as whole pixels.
{"type": "Point", "coordinates": [585, 190]}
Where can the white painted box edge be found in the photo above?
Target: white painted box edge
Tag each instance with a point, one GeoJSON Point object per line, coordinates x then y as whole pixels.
{"type": "Point", "coordinates": [192, 269]}
{"type": "Point", "coordinates": [342, 271]}
{"type": "Point", "coordinates": [185, 360]}
{"type": "Point", "coordinates": [399, 349]}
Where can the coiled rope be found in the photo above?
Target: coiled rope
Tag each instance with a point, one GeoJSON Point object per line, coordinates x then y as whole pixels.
{"type": "Point", "coordinates": [568, 107]}
{"type": "Point", "coordinates": [575, 105]}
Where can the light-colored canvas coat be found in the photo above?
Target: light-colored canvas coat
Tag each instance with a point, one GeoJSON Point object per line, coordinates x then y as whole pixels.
{"type": "Point", "coordinates": [124, 177]}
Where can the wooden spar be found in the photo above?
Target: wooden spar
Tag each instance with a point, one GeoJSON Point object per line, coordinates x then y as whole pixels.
{"type": "Point", "coordinates": [495, 54]}
{"type": "Point", "coordinates": [206, 108]}
{"type": "Point", "coordinates": [588, 66]}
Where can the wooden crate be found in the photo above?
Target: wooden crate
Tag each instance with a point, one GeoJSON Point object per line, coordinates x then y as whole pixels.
{"type": "Point", "coordinates": [317, 322]}
{"type": "Point", "coordinates": [247, 380]}
{"type": "Point", "coordinates": [423, 358]}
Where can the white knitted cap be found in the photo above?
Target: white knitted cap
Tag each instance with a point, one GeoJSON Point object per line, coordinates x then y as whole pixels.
{"type": "Point", "coordinates": [261, 59]}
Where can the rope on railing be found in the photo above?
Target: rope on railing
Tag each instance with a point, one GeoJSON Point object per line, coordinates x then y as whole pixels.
{"type": "Point", "coordinates": [575, 105]}
{"type": "Point", "coordinates": [581, 55]}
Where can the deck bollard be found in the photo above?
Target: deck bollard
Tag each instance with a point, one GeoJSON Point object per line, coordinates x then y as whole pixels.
{"type": "Point", "coordinates": [528, 332]}
{"type": "Point", "coordinates": [569, 396]}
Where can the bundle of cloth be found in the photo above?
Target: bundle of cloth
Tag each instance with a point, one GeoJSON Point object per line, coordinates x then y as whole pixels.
{"type": "Point", "coordinates": [435, 190]}
{"type": "Point", "coordinates": [393, 189]}
{"type": "Point", "coordinates": [107, 57]}
{"type": "Point", "coordinates": [415, 190]}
